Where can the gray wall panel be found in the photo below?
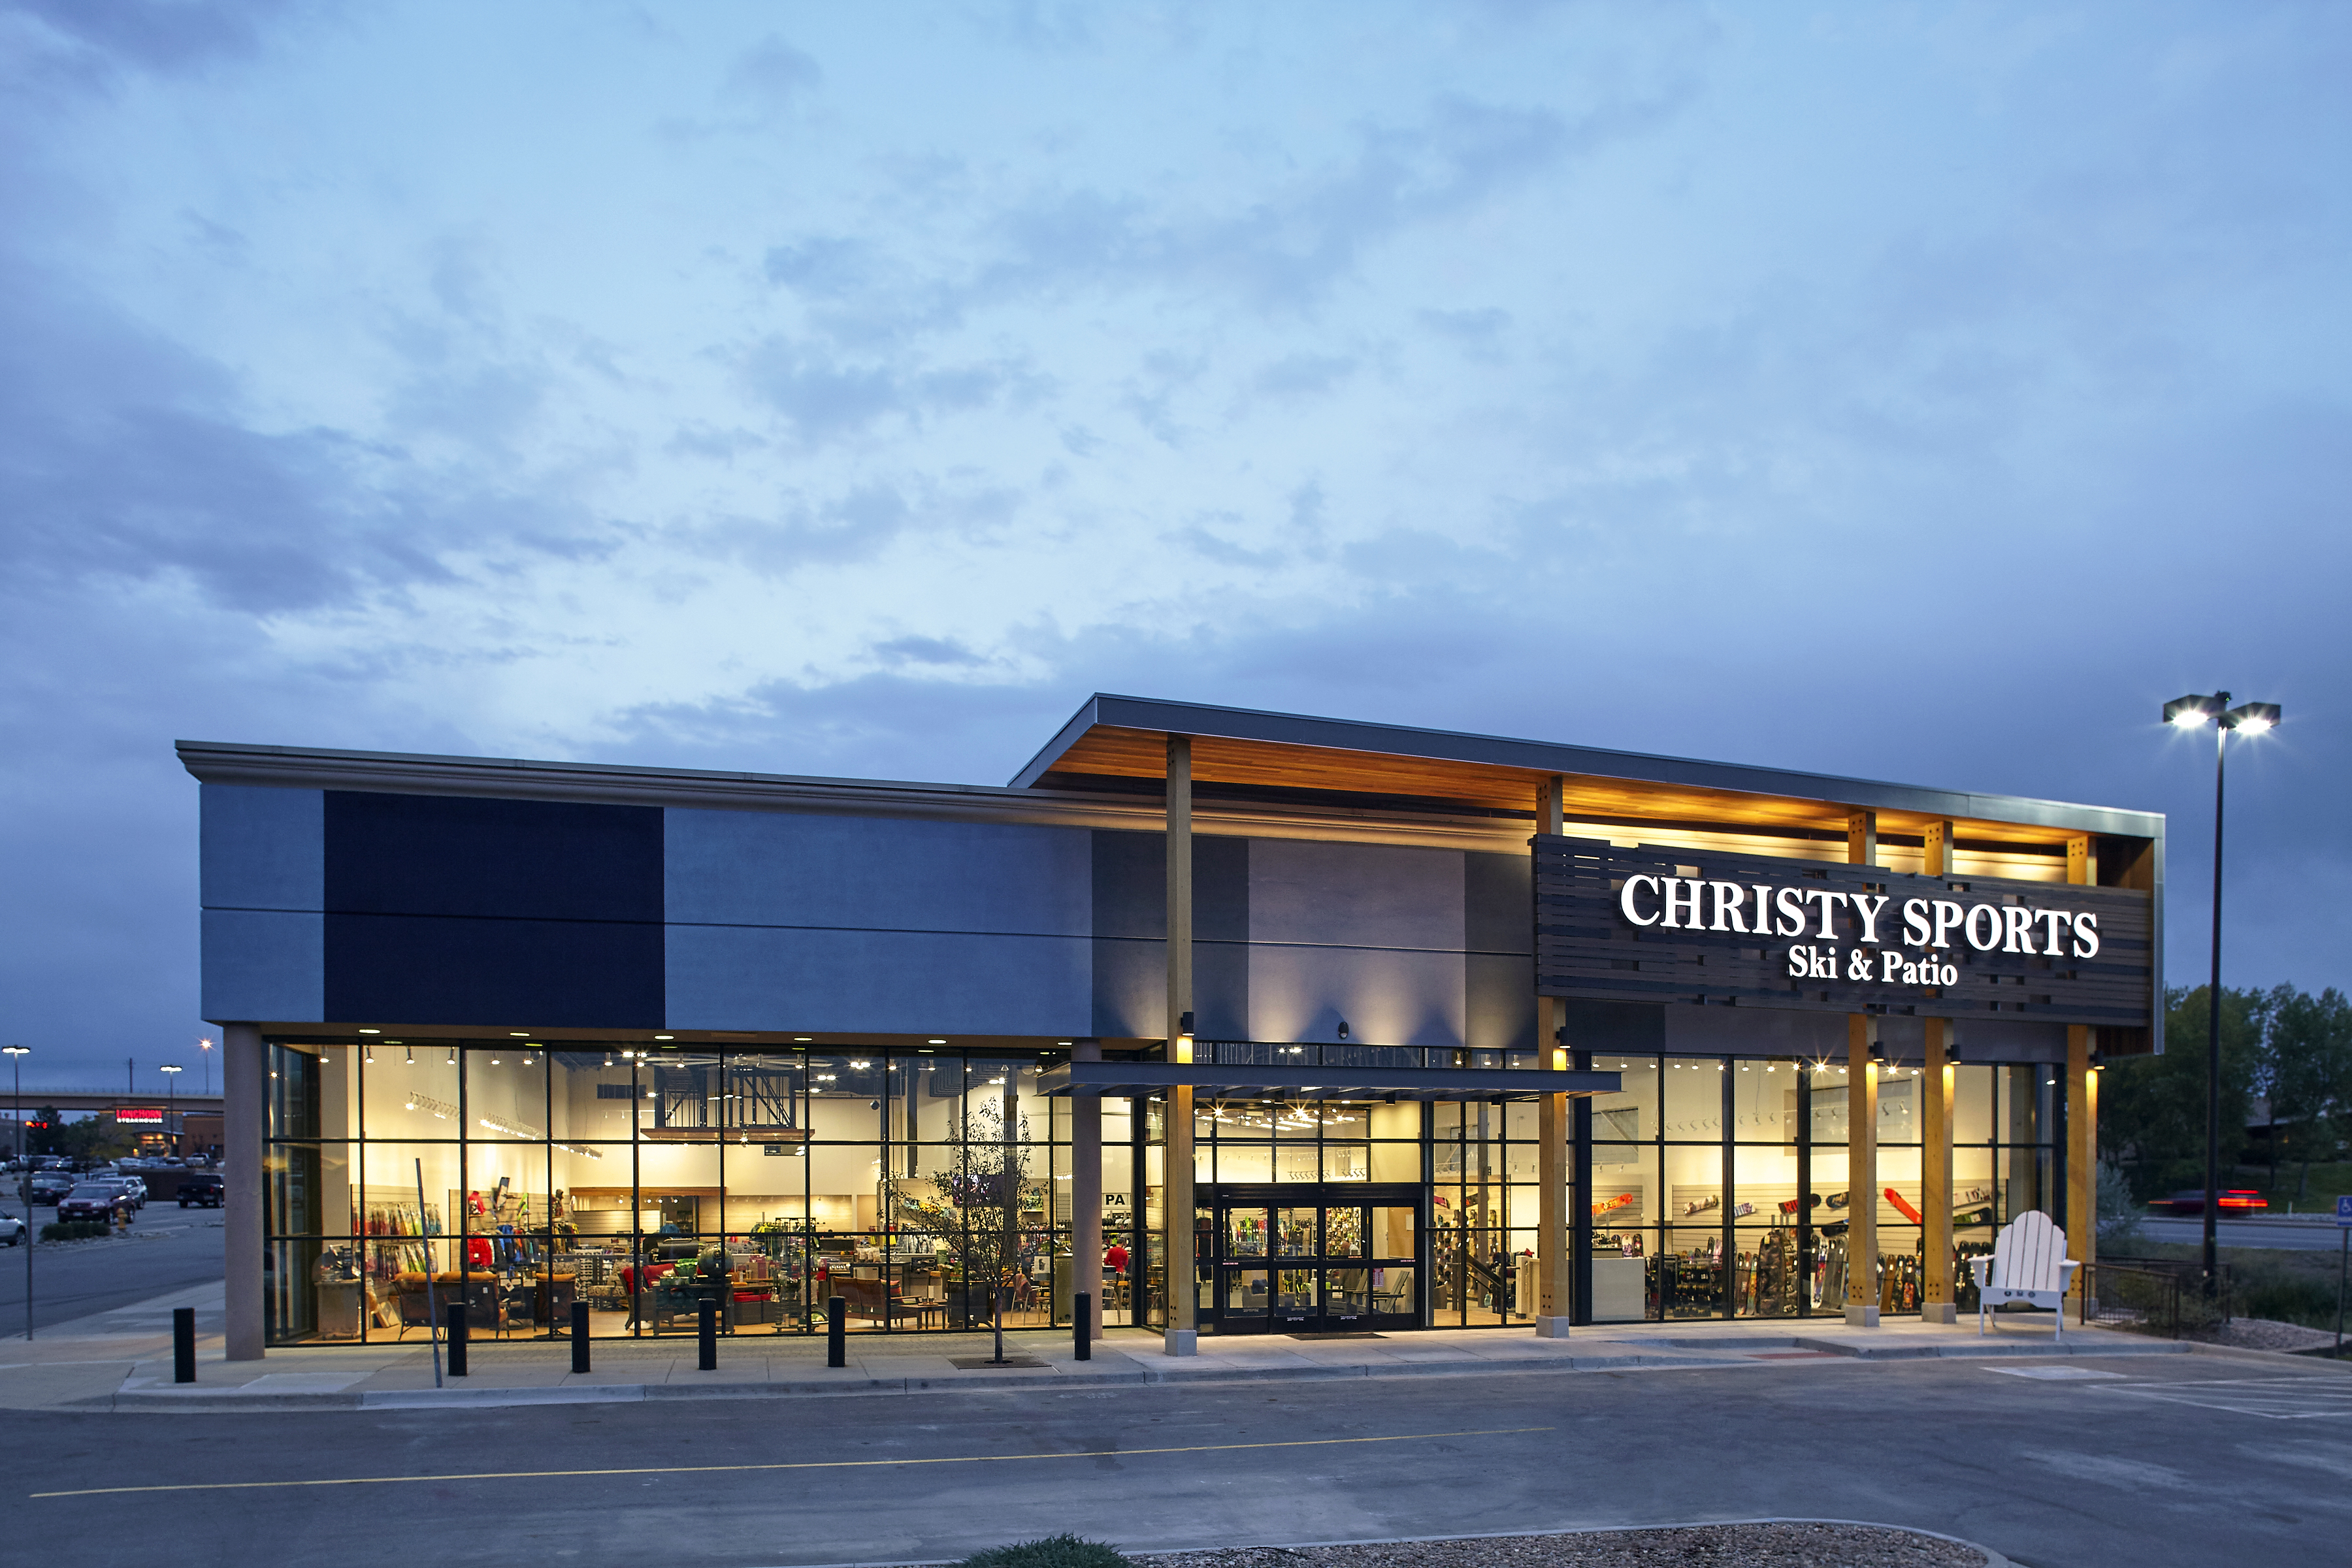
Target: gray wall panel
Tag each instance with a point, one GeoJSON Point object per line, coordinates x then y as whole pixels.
{"type": "Point", "coordinates": [1756, 1032]}
{"type": "Point", "coordinates": [780, 868]}
{"type": "Point", "coordinates": [1389, 998]}
{"type": "Point", "coordinates": [263, 849]}
{"type": "Point", "coordinates": [264, 965]}
{"type": "Point", "coordinates": [752, 977]}
{"type": "Point", "coordinates": [1499, 1001]}
{"type": "Point", "coordinates": [1355, 895]}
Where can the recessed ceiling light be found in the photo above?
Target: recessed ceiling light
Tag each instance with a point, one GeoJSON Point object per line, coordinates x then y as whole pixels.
{"type": "Point", "coordinates": [664, 1036]}
{"type": "Point", "coordinates": [939, 1042]}
{"type": "Point", "coordinates": [802, 1039]}
{"type": "Point", "coordinates": [371, 1031]}
{"type": "Point", "coordinates": [520, 1034]}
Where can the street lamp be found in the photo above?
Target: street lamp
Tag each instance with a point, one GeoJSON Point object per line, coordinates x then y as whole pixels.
{"type": "Point", "coordinates": [205, 1046]}
{"type": "Point", "coordinates": [16, 1055]}
{"type": "Point", "coordinates": [170, 1104]}
{"type": "Point", "coordinates": [2248, 719]}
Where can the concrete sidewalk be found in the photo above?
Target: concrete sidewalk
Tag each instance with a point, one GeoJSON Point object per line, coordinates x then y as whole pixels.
{"type": "Point", "coordinates": [123, 1360]}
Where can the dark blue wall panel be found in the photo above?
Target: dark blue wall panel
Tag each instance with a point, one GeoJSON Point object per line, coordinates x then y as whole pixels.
{"type": "Point", "coordinates": [538, 915]}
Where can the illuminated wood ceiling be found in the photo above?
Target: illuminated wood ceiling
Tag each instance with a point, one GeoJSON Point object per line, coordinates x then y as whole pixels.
{"type": "Point", "coordinates": [1105, 750]}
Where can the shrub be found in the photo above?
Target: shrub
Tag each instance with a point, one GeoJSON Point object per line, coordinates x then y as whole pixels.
{"type": "Point", "coordinates": [1063, 1550]}
{"type": "Point", "coordinates": [75, 1230]}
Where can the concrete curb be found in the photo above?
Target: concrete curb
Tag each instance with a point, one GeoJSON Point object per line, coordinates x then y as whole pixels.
{"type": "Point", "coordinates": [1992, 1558]}
{"type": "Point", "coordinates": [1136, 1373]}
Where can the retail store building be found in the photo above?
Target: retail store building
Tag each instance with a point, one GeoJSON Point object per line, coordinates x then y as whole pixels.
{"type": "Point", "coordinates": [1363, 1028]}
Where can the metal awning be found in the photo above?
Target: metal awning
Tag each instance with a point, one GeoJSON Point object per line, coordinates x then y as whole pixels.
{"type": "Point", "coordinates": [1226, 1081]}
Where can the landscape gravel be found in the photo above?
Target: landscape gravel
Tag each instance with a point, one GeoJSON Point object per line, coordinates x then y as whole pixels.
{"type": "Point", "coordinates": [1787, 1544]}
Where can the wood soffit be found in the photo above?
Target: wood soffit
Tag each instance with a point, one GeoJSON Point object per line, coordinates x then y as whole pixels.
{"type": "Point", "coordinates": [1110, 752]}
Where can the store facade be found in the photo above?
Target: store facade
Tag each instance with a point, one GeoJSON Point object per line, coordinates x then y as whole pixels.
{"type": "Point", "coordinates": [1234, 1022]}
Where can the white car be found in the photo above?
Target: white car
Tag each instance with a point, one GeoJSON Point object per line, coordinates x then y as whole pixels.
{"type": "Point", "coordinates": [11, 1229]}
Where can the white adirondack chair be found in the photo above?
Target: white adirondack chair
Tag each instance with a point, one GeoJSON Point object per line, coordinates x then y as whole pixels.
{"type": "Point", "coordinates": [2029, 1263]}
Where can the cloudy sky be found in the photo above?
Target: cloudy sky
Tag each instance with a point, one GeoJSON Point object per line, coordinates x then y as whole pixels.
{"type": "Point", "coordinates": [1920, 392]}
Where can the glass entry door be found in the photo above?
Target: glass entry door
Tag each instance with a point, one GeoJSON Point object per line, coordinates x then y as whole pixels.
{"type": "Point", "coordinates": [1298, 1259]}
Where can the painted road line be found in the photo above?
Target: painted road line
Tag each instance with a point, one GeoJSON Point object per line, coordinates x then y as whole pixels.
{"type": "Point", "coordinates": [808, 1465]}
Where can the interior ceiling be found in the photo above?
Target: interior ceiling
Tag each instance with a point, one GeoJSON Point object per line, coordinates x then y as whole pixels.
{"type": "Point", "coordinates": [1107, 751]}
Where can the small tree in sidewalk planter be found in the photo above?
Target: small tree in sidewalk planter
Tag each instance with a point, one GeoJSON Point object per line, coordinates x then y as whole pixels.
{"type": "Point", "coordinates": [972, 1213]}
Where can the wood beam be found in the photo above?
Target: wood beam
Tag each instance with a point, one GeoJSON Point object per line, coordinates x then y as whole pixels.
{"type": "Point", "coordinates": [1176, 1241]}
{"type": "Point", "coordinates": [1862, 1124]}
{"type": "Point", "coordinates": [1936, 1302]}
{"type": "Point", "coordinates": [1553, 1123]}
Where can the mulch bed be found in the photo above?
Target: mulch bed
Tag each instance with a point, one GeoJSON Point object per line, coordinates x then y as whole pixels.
{"type": "Point", "coordinates": [1786, 1545]}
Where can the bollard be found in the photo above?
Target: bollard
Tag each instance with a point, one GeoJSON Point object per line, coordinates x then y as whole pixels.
{"type": "Point", "coordinates": [456, 1318]}
{"type": "Point", "coordinates": [580, 1336]}
{"type": "Point", "coordinates": [836, 1332]}
{"type": "Point", "coordinates": [1082, 1321]}
{"type": "Point", "coordinates": [183, 1344]}
{"type": "Point", "coordinates": [707, 1311]}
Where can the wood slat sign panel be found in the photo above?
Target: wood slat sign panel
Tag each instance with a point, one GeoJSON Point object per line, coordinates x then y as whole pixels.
{"type": "Point", "coordinates": [1649, 925]}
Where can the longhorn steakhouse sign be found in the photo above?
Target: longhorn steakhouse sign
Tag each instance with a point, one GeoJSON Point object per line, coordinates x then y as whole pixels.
{"type": "Point", "coordinates": [1683, 926]}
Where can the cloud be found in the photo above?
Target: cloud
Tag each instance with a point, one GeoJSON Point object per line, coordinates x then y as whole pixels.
{"type": "Point", "coordinates": [934, 651]}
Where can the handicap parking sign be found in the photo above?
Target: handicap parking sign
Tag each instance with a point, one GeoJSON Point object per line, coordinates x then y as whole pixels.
{"type": "Point", "coordinates": [2344, 1210]}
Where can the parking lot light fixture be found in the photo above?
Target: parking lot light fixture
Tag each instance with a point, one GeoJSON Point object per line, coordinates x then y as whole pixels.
{"type": "Point", "coordinates": [2248, 719]}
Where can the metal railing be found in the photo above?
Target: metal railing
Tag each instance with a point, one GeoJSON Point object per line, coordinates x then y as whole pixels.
{"type": "Point", "coordinates": [2156, 1296]}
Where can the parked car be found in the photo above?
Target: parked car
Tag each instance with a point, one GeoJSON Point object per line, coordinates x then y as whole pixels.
{"type": "Point", "coordinates": [48, 1186]}
{"type": "Point", "coordinates": [2232, 1200]}
{"type": "Point", "coordinates": [202, 1188]}
{"type": "Point", "coordinates": [94, 1199]}
{"type": "Point", "coordinates": [11, 1229]}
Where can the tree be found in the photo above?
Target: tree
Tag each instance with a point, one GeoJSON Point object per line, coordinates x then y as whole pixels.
{"type": "Point", "coordinates": [972, 1213]}
{"type": "Point", "coordinates": [2307, 1063]}
{"type": "Point", "coordinates": [2152, 1109]}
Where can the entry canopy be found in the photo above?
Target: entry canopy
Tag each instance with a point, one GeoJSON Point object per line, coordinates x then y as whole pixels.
{"type": "Point", "coordinates": [1228, 1081]}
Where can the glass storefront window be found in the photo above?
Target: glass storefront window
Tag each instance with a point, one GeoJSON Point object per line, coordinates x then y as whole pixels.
{"type": "Point", "coordinates": [1693, 1104]}
{"type": "Point", "coordinates": [1631, 1114]}
{"type": "Point", "coordinates": [1765, 1102]}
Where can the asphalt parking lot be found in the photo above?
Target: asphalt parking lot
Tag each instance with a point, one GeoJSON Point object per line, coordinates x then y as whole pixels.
{"type": "Point", "coordinates": [2146, 1461]}
{"type": "Point", "coordinates": [168, 1248]}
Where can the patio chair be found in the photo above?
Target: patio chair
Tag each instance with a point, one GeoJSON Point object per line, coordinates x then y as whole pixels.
{"type": "Point", "coordinates": [2029, 1265]}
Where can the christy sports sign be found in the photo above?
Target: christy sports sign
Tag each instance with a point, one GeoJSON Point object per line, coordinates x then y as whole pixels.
{"type": "Point", "coordinates": [1649, 925]}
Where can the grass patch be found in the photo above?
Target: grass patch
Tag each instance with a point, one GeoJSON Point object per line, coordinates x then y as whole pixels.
{"type": "Point", "coordinates": [2329, 1182]}
{"type": "Point", "coordinates": [1063, 1550]}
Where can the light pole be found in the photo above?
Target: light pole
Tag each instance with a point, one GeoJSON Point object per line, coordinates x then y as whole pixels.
{"type": "Point", "coordinates": [170, 1104]}
{"type": "Point", "coordinates": [2248, 719]}
{"type": "Point", "coordinates": [16, 1055]}
{"type": "Point", "coordinates": [205, 1046]}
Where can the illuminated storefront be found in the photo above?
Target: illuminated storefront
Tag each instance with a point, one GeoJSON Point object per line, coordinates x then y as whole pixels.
{"type": "Point", "coordinates": [1453, 1032]}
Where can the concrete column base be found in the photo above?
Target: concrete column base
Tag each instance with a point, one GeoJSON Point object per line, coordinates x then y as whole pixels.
{"type": "Point", "coordinates": [1551, 1328]}
{"type": "Point", "coordinates": [1938, 1312]}
{"type": "Point", "coordinates": [1862, 1317]}
{"type": "Point", "coordinates": [1181, 1341]}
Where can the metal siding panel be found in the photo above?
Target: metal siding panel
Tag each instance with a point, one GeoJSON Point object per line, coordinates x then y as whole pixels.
{"type": "Point", "coordinates": [264, 965]}
{"type": "Point", "coordinates": [1388, 997]}
{"type": "Point", "coordinates": [1356, 895]}
{"type": "Point", "coordinates": [783, 869]}
{"type": "Point", "coordinates": [849, 981]}
{"type": "Point", "coordinates": [520, 973]}
{"type": "Point", "coordinates": [262, 848]}
{"type": "Point", "coordinates": [487, 858]}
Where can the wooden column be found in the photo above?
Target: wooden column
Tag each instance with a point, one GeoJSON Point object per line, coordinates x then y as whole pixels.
{"type": "Point", "coordinates": [1862, 1177]}
{"type": "Point", "coordinates": [1936, 1300]}
{"type": "Point", "coordinates": [1086, 1190]}
{"type": "Point", "coordinates": [1936, 1303]}
{"type": "Point", "coordinates": [1181, 1332]}
{"type": "Point", "coordinates": [2082, 1224]}
{"type": "Point", "coordinates": [1553, 1292]}
{"type": "Point", "coordinates": [1862, 1124]}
